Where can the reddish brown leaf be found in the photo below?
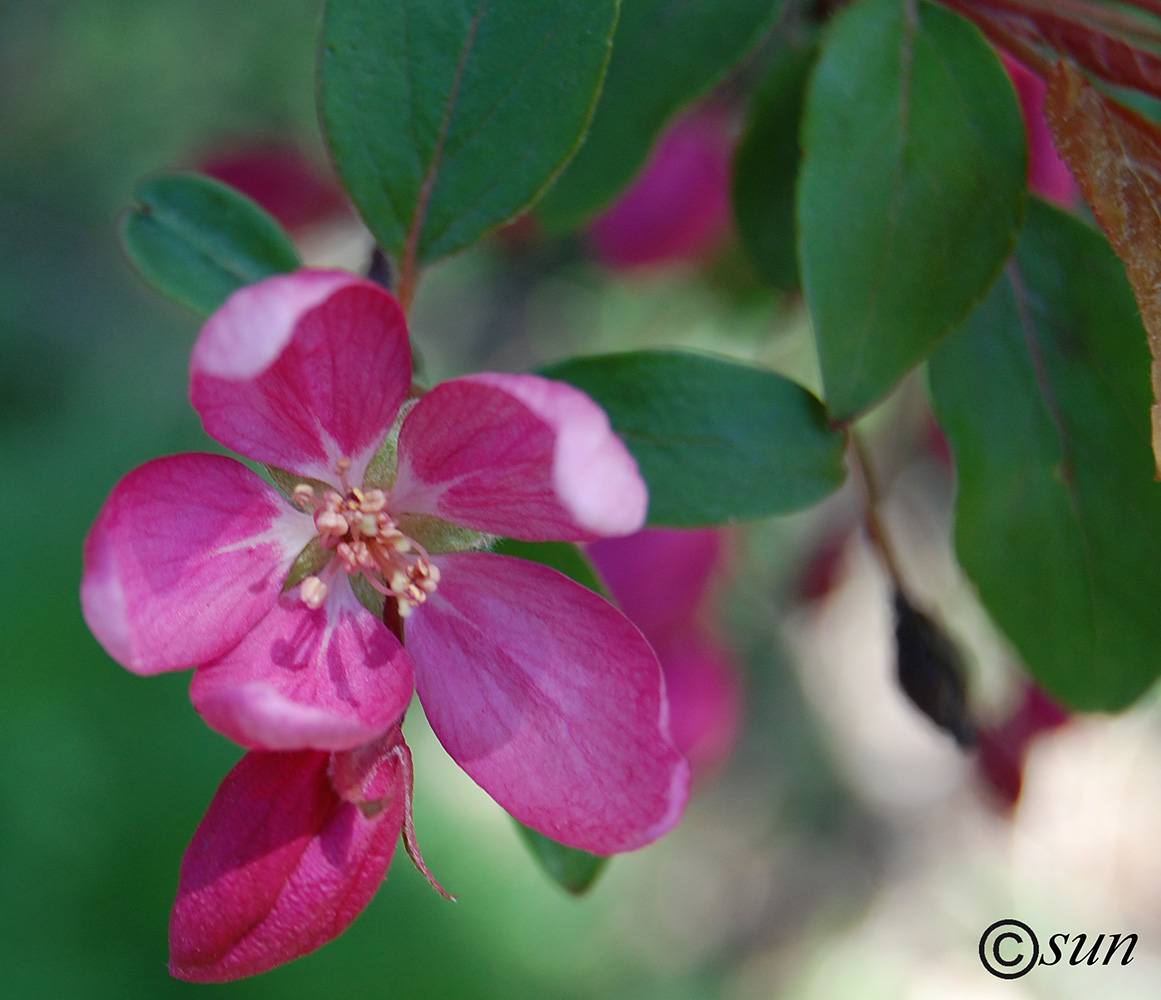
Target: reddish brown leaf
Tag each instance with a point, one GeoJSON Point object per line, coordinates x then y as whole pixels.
{"type": "Point", "coordinates": [1115, 155]}
{"type": "Point", "coordinates": [1114, 45]}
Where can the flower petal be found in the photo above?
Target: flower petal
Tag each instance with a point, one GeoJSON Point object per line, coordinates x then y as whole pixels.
{"type": "Point", "coordinates": [303, 369]}
{"type": "Point", "coordinates": [659, 577]}
{"type": "Point", "coordinates": [705, 698]}
{"type": "Point", "coordinates": [551, 700]}
{"type": "Point", "coordinates": [678, 207]}
{"type": "Point", "coordinates": [326, 679]}
{"type": "Point", "coordinates": [186, 555]}
{"type": "Point", "coordinates": [279, 866]}
{"type": "Point", "coordinates": [521, 456]}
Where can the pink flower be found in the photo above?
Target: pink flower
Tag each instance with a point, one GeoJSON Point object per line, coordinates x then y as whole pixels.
{"type": "Point", "coordinates": [1003, 749]}
{"type": "Point", "coordinates": [1048, 176]}
{"type": "Point", "coordinates": [292, 606]}
{"type": "Point", "coordinates": [281, 180]}
{"type": "Point", "coordinates": [678, 208]}
{"type": "Point", "coordinates": [661, 580]}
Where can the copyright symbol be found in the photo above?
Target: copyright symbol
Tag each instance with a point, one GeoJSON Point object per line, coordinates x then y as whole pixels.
{"type": "Point", "coordinates": [1009, 949]}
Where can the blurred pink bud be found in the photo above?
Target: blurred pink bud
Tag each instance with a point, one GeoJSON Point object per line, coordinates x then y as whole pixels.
{"type": "Point", "coordinates": [678, 208]}
{"type": "Point", "coordinates": [281, 180]}
{"type": "Point", "coordinates": [663, 581]}
{"type": "Point", "coordinates": [1004, 749]}
{"type": "Point", "coordinates": [823, 569]}
{"type": "Point", "coordinates": [1048, 176]}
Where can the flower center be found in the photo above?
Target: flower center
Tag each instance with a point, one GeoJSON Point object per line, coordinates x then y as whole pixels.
{"type": "Point", "coordinates": [366, 540]}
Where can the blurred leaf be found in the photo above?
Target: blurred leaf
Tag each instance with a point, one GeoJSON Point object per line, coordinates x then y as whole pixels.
{"type": "Point", "coordinates": [910, 193]}
{"type": "Point", "coordinates": [561, 556]}
{"type": "Point", "coordinates": [716, 441]}
{"type": "Point", "coordinates": [1115, 156]}
{"type": "Point", "coordinates": [766, 168]}
{"type": "Point", "coordinates": [196, 240]}
{"type": "Point", "coordinates": [573, 870]}
{"type": "Point", "coordinates": [1044, 395]}
{"type": "Point", "coordinates": [665, 54]}
{"type": "Point", "coordinates": [446, 118]}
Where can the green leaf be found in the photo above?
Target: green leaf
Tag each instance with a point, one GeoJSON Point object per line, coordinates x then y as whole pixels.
{"type": "Point", "coordinates": [572, 869]}
{"type": "Point", "coordinates": [716, 441]}
{"type": "Point", "coordinates": [665, 54]}
{"type": "Point", "coordinates": [766, 168]}
{"type": "Point", "coordinates": [562, 556]}
{"type": "Point", "coordinates": [1045, 395]}
{"type": "Point", "coordinates": [446, 118]}
{"type": "Point", "coordinates": [911, 191]}
{"type": "Point", "coordinates": [197, 240]}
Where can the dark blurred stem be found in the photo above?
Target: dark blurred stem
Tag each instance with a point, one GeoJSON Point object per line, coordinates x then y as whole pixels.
{"type": "Point", "coordinates": [871, 501]}
{"type": "Point", "coordinates": [379, 270]}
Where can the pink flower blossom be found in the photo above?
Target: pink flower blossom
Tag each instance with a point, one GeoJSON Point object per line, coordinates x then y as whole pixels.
{"type": "Point", "coordinates": [678, 208]}
{"type": "Point", "coordinates": [280, 179]}
{"type": "Point", "coordinates": [1003, 749]}
{"type": "Point", "coordinates": [1048, 176]}
{"type": "Point", "coordinates": [662, 580]}
{"type": "Point", "coordinates": [291, 604]}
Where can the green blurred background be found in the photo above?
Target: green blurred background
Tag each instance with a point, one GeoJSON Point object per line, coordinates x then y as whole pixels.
{"type": "Point", "coordinates": [843, 851]}
{"type": "Point", "coordinates": [103, 775]}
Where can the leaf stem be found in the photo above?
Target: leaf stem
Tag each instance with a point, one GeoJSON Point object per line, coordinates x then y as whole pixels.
{"type": "Point", "coordinates": [861, 462]}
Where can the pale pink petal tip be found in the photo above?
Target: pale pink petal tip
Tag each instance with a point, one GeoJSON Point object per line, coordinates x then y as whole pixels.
{"type": "Point", "coordinates": [303, 369]}
{"type": "Point", "coordinates": [331, 678]}
{"type": "Point", "coordinates": [247, 334]}
{"type": "Point", "coordinates": [186, 555]}
{"type": "Point", "coordinates": [521, 456]}
{"type": "Point", "coordinates": [595, 476]}
{"type": "Point", "coordinates": [279, 866]}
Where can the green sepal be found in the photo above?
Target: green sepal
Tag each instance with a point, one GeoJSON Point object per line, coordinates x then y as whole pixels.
{"type": "Point", "coordinates": [439, 537]}
{"type": "Point", "coordinates": [564, 557]}
{"type": "Point", "coordinates": [309, 562]}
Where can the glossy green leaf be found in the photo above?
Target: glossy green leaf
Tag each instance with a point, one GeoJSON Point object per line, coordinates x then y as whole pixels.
{"type": "Point", "coordinates": [562, 556]}
{"type": "Point", "coordinates": [196, 240]}
{"type": "Point", "coordinates": [572, 869]}
{"type": "Point", "coordinates": [766, 168]}
{"type": "Point", "coordinates": [446, 118]}
{"type": "Point", "coordinates": [1044, 394]}
{"type": "Point", "coordinates": [665, 54]}
{"type": "Point", "coordinates": [716, 441]}
{"type": "Point", "coordinates": [910, 193]}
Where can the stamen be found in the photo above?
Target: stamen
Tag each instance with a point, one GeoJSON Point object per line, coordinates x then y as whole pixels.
{"type": "Point", "coordinates": [365, 540]}
{"type": "Point", "coordinates": [313, 592]}
{"type": "Point", "coordinates": [304, 497]}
